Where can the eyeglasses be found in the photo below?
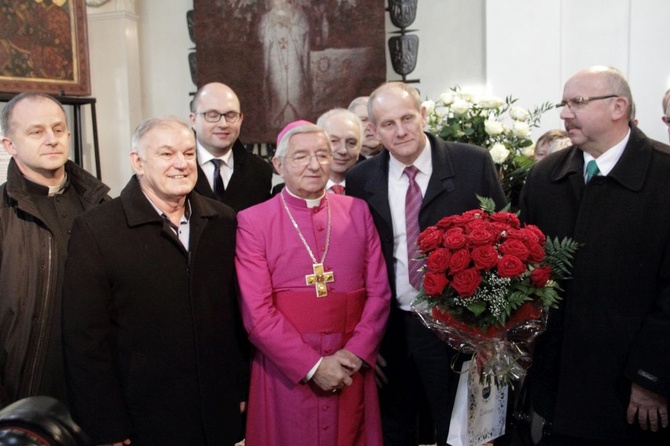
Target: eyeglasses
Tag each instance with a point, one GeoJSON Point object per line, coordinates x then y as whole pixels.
{"type": "Point", "coordinates": [666, 119]}
{"type": "Point", "coordinates": [214, 116]}
{"type": "Point", "coordinates": [580, 101]}
{"type": "Point", "coordinates": [302, 159]}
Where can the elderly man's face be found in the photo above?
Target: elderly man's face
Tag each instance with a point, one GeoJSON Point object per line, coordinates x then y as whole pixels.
{"type": "Point", "coordinates": [345, 138]}
{"type": "Point", "coordinates": [399, 124]}
{"type": "Point", "coordinates": [39, 140]}
{"type": "Point", "coordinates": [165, 162]}
{"type": "Point", "coordinates": [371, 145]}
{"type": "Point", "coordinates": [217, 137]}
{"type": "Point", "coordinates": [588, 124]}
{"type": "Point", "coordinates": [300, 168]}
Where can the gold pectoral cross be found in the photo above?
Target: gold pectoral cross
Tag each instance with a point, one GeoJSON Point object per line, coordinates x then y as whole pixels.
{"type": "Point", "coordinates": [319, 279]}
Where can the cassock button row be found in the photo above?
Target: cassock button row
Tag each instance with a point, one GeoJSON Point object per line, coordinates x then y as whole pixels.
{"type": "Point", "coordinates": [323, 248]}
{"type": "Point", "coordinates": [324, 408]}
{"type": "Point", "coordinates": [325, 428]}
{"type": "Point", "coordinates": [320, 228]}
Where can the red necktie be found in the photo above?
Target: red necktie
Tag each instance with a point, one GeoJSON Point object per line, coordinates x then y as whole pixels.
{"type": "Point", "coordinates": [413, 201]}
{"type": "Point", "coordinates": [338, 189]}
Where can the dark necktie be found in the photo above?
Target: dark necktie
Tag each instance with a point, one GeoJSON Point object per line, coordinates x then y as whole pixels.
{"type": "Point", "coordinates": [413, 201]}
{"type": "Point", "coordinates": [591, 170]}
{"type": "Point", "coordinates": [219, 189]}
{"type": "Point", "coordinates": [337, 188]}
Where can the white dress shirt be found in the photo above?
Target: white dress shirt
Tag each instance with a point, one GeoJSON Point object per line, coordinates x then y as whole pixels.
{"type": "Point", "coordinates": [398, 183]}
{"type": "Point", "coordinates": [226, 169]}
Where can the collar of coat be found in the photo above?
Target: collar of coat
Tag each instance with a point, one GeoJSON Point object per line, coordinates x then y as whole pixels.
{"type": "Point", "coordinates": [630, 171]}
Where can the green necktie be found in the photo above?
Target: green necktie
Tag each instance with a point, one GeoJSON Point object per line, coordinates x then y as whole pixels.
{"type": "Point", "coordinates": [591, 170]}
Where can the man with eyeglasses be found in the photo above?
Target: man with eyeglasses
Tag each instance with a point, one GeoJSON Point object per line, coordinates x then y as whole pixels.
{"type": "Point", "coordinates": [601, 372]}
{"type": "Point", "coordinates": [226, 170]}
{"type": "Point", "coordinates": [314, 300]}
{"type": "Point", "coordinates": [666, 110]}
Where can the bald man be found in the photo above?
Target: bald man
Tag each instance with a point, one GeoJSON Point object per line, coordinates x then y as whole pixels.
{"type": "Point", "coordinates": [226, 170]}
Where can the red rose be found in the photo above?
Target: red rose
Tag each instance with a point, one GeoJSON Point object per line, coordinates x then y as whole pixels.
{"type": "Point", "coordinates": [430, 239]}
{"type": "Point", "coordinates": [540, 235]}
{"type": "Point", "coordinates": [459, 261]}
{"type": "Point", "coordinates": [434, 283]}
{"type": "Point", "coordinates": [438, 260]}
{"type": "Point", "coordinates": [446, 222]}
{"type": "Point", "coordinates": [499, 228]}
{"type": "Point", "coordinates": [481, 237]}
{"type": "Point", "coordinates": [510, 266]}
{"type": "Point", "coordinates": [477, 224]}
{"type": "Point", "coordinates": [536, 251]}
{"type": "Point", "coordinates": [515, 247]}
{"type": "Point", "coordinates": [540, 276]}
{"type": "Point", "coordinates": [506, 217]}
{"type": "Point", "coordinates": [454, 239]}
{"type": "Point", "coordinates": [485, 256]}
{"type": "Point", "coordinates": [520, 234]}
{"type": "Point", "coordinates": [466, 282]}
{"type": "Point", "coordinates": [468, 216]}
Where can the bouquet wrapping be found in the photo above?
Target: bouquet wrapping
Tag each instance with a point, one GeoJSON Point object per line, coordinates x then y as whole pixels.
{"type": "Point", "coordinates": [487, 285]}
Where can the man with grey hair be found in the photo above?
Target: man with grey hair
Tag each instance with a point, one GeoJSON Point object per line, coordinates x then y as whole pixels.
{"type": "Point", "coordinates": [436, 179]}
{"type": "Point", "coordinates": [345, 131]}
{"type": "Point", "coordinates": [314, 300]}
{"type": "Point", "coordinates": [601, 371]}
{"type": "Point", "coordinates": [371, 144]}
{"type": "Point", "coordinates": [666, 110]}
{"type": "Point", "coordinates": [151, 327]}
{"type": "Point", "coordinates": [43, 194]}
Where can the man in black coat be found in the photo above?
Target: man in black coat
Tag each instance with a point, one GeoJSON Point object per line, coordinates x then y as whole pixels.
{"type": "Point", "coordinates": [450, 176]}
{"type": "Point", "coordinates": [226, 170]}
{"type": "Point", "coordinates": [601, 372]}
{"type": "Point", "coordinates": [151, 330]}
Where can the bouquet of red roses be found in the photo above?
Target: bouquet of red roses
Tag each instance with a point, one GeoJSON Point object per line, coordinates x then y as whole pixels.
{"type": "Point", "coordinates": [487, 284]}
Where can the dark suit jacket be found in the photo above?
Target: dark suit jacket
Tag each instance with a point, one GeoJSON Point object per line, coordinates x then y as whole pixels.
{"type": "Point", "coordinates": [250, 184]}
{"type": "Point", "coordinates": [614, 323]}
{"type": "Point", "coordinates": [151, 331]}
{"type": "Point", "coordinates": [460, 172]}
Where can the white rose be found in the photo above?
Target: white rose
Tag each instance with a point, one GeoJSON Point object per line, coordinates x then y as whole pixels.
{"type": "Point", "coordinates": [493, 128]}
{"type": "Point", "coordinates": [490, 102]}
{"type": "Point", "coordinates": [499, 153]}
{"type": "Point", "coordinates": [529, 151]}
{"type": "Point", "coordinates": [467, 96]}
{"type": "Point", "coordinates": [460, 107]}
{"type": "Point", "coordinates": [519, 114]}
{"type": "Point", "coordinates": [447, 97]}
{"type": "Point", "coordinates": [429, 106]}
{"type": "Point", "coordinates": [521, 129]}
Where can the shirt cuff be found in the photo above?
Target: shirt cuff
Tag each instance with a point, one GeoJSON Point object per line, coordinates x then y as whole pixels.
{"type": "Point", "coordinates": [311, 373]}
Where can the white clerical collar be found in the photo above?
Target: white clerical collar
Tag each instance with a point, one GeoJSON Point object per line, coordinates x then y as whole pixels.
{"type": "Point", "coordinates": [423, 163]}
{"type": "Point", "coordinates": [59, 188]}
{"type": "Point", "coordinates": [310, 202]}
{"type": "Point", "coordinates": [204, 156]}
{"type": "Point", "coordinates": [609, 158]}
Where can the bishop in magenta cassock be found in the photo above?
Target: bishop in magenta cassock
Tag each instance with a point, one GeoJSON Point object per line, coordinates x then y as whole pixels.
{"type": "Point", "coordinates": [315, 300]}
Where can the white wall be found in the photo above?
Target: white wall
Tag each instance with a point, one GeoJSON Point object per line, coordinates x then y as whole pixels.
{"type": "Point", "coordinates": [533, 47]}
{"type": "Point", "coordinates": [526, 48]}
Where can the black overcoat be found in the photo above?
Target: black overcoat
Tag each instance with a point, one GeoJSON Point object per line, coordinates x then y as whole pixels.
{"type": "Point", "coordinates": [150, 330]}
{"type": "Point", "coordinates": [614, 325]}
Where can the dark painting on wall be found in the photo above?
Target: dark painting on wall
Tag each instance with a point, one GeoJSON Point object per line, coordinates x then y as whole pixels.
{"type": "Point", "coordinates": [44, 47]}
{"type": "Point", "coordinates": [290, 59]}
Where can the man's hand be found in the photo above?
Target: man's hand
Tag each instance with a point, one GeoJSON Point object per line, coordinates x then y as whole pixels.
{"type": "Point", "coordinates": [349, 361]}
{"type": "Point", "coordinates": [331, 376]}
{"type": "Point", "coordinates": [380, 377]}
{"type": "Point", "coordinates": [651, 409]}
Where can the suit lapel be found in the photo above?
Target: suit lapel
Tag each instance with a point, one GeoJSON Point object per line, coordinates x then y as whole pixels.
{"type": "Point", "coordinates": [441, 181]}
{"type": "Point", "coordinates": [376, 188]}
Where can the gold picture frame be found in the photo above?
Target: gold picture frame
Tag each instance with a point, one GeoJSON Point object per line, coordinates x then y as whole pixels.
{"type": "Point", "coordinates": [44, 47]}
